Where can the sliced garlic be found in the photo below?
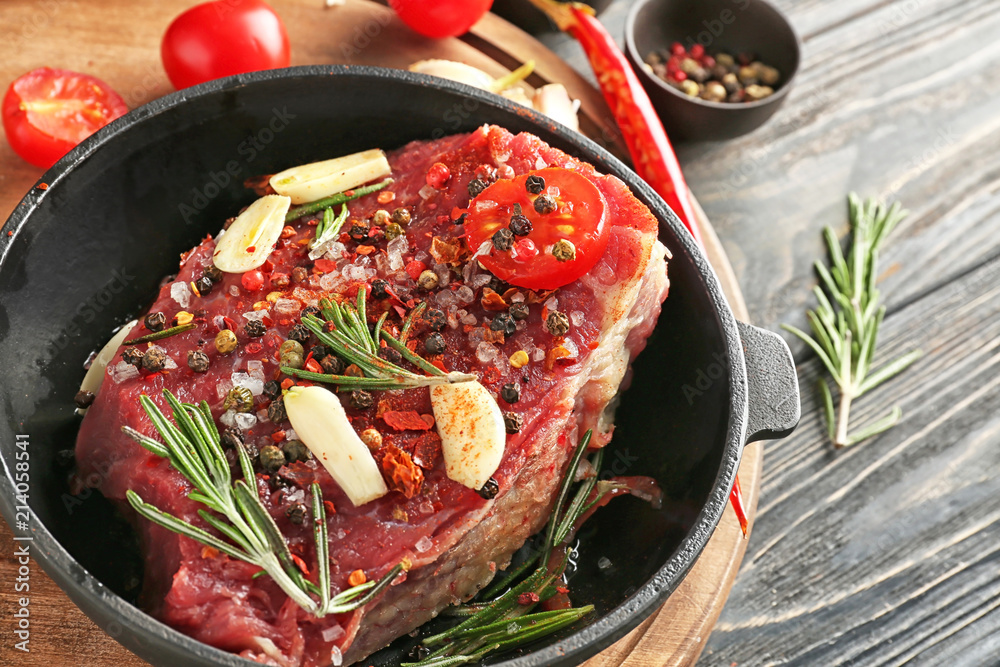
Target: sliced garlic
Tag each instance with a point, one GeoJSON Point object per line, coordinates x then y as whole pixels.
{"type": "Point", "coordinates": [95, 374]}
{"type": "Point", "coordinates": [472, 431]}
{"type": "Point", "coordinates": [320, 422]}
{"type": "Point", "coordinates": [554, 101]}
{"type": "Point", "coordinates": [316, 180]}
{"type": "Point", "coordinates": [249, 240]}
{"type": "Point", "coordinates": [456, 71]}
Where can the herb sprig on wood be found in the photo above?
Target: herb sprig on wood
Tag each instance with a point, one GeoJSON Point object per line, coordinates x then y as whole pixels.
{"type": "Point", "coordinates": [845, 325]}
{"type": "Point", "coordinates": [192, 445]}
{"type": "Point", "coordinates": [345, 331]}
{"type": "Point", "coordinates": [504, 616]}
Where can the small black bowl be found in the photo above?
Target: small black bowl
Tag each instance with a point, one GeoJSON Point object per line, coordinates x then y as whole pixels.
{"type": "Point", "coordinates": [733, 26]}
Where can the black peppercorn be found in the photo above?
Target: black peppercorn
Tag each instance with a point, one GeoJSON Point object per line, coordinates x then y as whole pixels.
{"type": "Point", "coordinates": [65, 458]}
{"type": "Point", "coordinates": [271, 458]}
{"type": "Point", "coordinates": [84, 399]}
{"type": "Point", "coordinates": [132, 356]}
{"type": "Point", "coordinates": [503, 239]}
{"type": "Point", "coordinates": [418, 653]}
{"type": "Point", "coordinates": [519, 311]}
{"type": "Point", "coordinates": [295, 450]}
{"type": "Point", "coordinates": [309, 310]}
{"type": "Point", "coordinates": [557, 323]}
{"type": "Point", "coordinates": [155, 321]}
{"type": "Point", "coordinates": [490, 489]}
{"type": "Point", "coordinates": [519, 225]}
{"type": "Point", "coordinates": [435, 343]}
{"type": "Point", "coordinates": [276, 411]}
{"type": "Point", "coordinates": [503, 322]}
{"type": "Point", "coordinates": [510, 392]}
{"type": "Point", "coordinates": [255, 329]}
{"type": "Point", "coordinates": [390, 355]}
{"type": "Point", "coordinates": [198, 361]}
{"type": "Point", "coordinates": [232, 437]}
{"type": "Point", "coordinates": [379, 288]}
{"type": "Point", "coordinates": [204, 285]}
{"type": "Point", "coordinates": [497, 285]}
{"type": "Point", "coordinates": [545, 204]}
{"type": "Point", "coordinates": [319, 351]}
{"type": "Point", "coordinates": [154, 359]}
{"type": "Point", "coordinates": [300, 274]}
{"type": "Point", "coordinates": [299, 333]}
{"type": "Point", "coordinates": [296, 513]}
{"type": "Point", "coordinates": [476, 186]}
{"type": "Point", "coordinates": [213, 273]}
{"type": "Point", "coordinates": [359, 231]}
{"type": "Point", "coordinates": [279, 481]}
{"type": "Point", "coordinates": [361, 399]}
{"type": "Point", "coordinates": [435, 319]}
{"type": "Point", "coordinates": [272, 389]}
{"type": "Point", "coordinates": [512, 422]}
{"type": "Point", "coordinates": [534, 184]}
{"type": "Point", "coordinates": [332, 365]}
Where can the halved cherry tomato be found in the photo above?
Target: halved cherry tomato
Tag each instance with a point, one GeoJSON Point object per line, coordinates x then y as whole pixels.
{"type": "Point", "coordinates": [440, 18]}
{"type": "Point", "coordinates": [222, 38]}
{"type": "Point", "coordinates": [580, 217]}
{"type": "Point", "coordinates": [47, 112]}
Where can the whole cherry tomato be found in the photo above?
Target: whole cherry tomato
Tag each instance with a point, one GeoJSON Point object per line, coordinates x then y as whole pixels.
{"type": "Point", "coordinates": [556, 244]}
{"type": "Point", "coordinates": [441, 18]}
{"type": "Point", "coordinates": [47, 112]}
{"type": "Point", "coordinates": [222, 38]}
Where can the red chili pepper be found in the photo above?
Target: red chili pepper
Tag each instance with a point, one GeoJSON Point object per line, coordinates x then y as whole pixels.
{"type": "Point", "coordinates": [642, 129]}
{"type": "Point", "coordinates": [736, 499]}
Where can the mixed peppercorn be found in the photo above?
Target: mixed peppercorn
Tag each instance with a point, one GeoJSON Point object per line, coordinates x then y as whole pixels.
{"type": "Point", "coordinates": [715, 78]}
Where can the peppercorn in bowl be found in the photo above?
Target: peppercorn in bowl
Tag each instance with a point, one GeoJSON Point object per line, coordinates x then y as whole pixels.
{"type": "Point", "coordinates": [715, 69]}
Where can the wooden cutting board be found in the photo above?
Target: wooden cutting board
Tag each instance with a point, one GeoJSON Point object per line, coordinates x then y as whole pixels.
{"type": "Point", "coordinates": [118, 41]}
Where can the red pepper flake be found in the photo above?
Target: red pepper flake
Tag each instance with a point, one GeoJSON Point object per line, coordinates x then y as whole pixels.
{"type": "Point", "coordinates": [437, 363]}
{"type": "Point", "coordinates": [43, 186]}
{"type": "Point", "coordinates": [352, 291]}
{"type": "Point", "coordinates": [429, 419]}
{"type": "Point", "coordinates": [313, 366]}
{"type": "Point", "coordinates": [405, 420]}
{"type": "Point", "coordinates": [254, 347]}
{"type": "Point", "coordinates": [385, 197]}
{"type": "Point", "coordinates": [558, 352]}
{"type": "Point", "coordinates": [444, 252]}
{"type": "Point", "coordinates": [366, 249]}
{"type": "Point", "coordinates": [251, 249]}
{"type": "Point", "coordinates": [457, 212]}
{"type": "Point", "coordinates": [527, 598]}
{"type": "Point", "coordinates": [400, 470]}
{"type": "Point", "coordinates": [288, 232]}
{"type": "Point", "coordinates": [492, 301]}
{"type": "Point", "coordinates": [229, 323]}
{"type": "Point", "coordinates": [415, 268]}
{"type": "Point", "coordinates": [301, 564]}
{"type": "Point", "coordinates": [357, 578]}
{"type": "Point", "coordinates": [325, 265]}
{"type": "Point", "coordinates": [278, 436]}
{"type": "Point", "coordinates": [562, 589]}
{"type": "Point", "coordinates": [349, 193]}
{"type": "Point", "coordinates": [209, 552]}
{"type": "Point", "coordinates": [328, 506]}
{"type": "Point", "coordinates": [287, 383]}
{"type": "Point", "coordinates": [10, 233]}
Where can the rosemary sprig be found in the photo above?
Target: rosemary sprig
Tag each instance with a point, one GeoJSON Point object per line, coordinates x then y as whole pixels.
{"type": "Point", "coordinates": [335, 200]}
{"type": "Point", "coordinates": [160, 335]}
{"type": "Point", "coordinates": [846, 323]}
{"type": "Point", "coordinates": [327, 231]}
{"type": "Point", "coordinates": [501, 621]}
{"type": "Point", "coordinates": [191, 443]}
{"type": "Point", "coordinates": [350, 339]}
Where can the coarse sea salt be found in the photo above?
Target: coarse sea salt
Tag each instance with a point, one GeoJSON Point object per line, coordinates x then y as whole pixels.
{"type": "Point", "coordinates": [332, 633]}
{"type": "Point", "coordinates": [426, 192]}
{"type": "Point", "coordinates": [234, 290]}
{"type": "Point", "coordinates": [257, 315]}
{"type": "Point", "coordinates": [464, 295]}
{"type": "Point", "coordinates": [329, 282]}
{"type": "Point", "coordinates": [228, 418]}
{"type": "Point", "coordinates": [123, 371]}
{"type": "Point", "coordinates": [255, 385]}
{"type": "Point", "coordinates": [423, 545]}
{"type": "Point", "coordinates": [245, 420]}
{"type": "Point", "coordinates": [576, 318]}
{"type": "Point", "coordinates": [181, 293]}
{"type": "Point", "coordinates": [287, 306]}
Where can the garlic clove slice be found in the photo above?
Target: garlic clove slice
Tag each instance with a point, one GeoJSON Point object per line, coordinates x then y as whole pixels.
{"type": "Point", "coordinates": [554, 101]}
{"type": "Point", "coordinates": [321, 423]}
{"type": "Point", "coordinates": [316, 180]}
{"type": "Point", "coordinates": [250, 239]}
{"type": "Point", "coordinates": [472, 432]}
{"type": "Point", "coordinates": [95, 374]}
{"type": "Point", "coordinates": [456, 71]}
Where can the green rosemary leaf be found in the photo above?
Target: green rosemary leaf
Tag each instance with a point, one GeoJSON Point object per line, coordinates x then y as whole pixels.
{"type": "Point", "coordinates": [160, 335]}
{"type": "Point", "coordinates": [334, 200]}
{"type": "Point", "coordinates": [827, 398]}
{"type": "Point", "coordinates": [564, 489]}
{"type": "Point", "coordinates": [172, 523]}
{"type": "Point", "coordinates": [147, 442]}
{"type": "Point", "coordinates": [890, 370]}
{"type": "Point", "coordinates": [225, 529]}
{"type": "Point", "coordinates": [322, 546]}
{"type": "Point", "coordinates": [408, 323]}
{"type": "Point", "coordinates": [349, 600]}
{"type": "Point", "coordinates": [873, 429]}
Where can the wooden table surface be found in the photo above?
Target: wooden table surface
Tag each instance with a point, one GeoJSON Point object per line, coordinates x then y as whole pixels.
{"type": "Point", "coordinates": [888, 552]}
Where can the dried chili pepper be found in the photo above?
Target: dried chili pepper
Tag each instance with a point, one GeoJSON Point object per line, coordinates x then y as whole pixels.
{"type": "Point", "coordinates": [642, 129]}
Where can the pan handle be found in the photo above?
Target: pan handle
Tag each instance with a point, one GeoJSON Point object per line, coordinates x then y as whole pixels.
{"type": "Point", "coordinates": [773, 403]}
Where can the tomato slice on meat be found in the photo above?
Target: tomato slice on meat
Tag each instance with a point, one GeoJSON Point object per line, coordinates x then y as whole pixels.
{"type": "Point", "coordinates": [580, 217]}
{"type": "Point", "coordinates": [47, 112]}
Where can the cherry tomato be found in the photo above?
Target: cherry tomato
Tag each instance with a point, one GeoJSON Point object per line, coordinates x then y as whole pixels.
{"type": "Point", "coordinates": [580, 217]}
{"type": "Point", "coordinates": [440, 18]}
{"type": "Point", "coordinates": [47, 112]}
{"type": "Point", "coordinates": [222, 38]}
